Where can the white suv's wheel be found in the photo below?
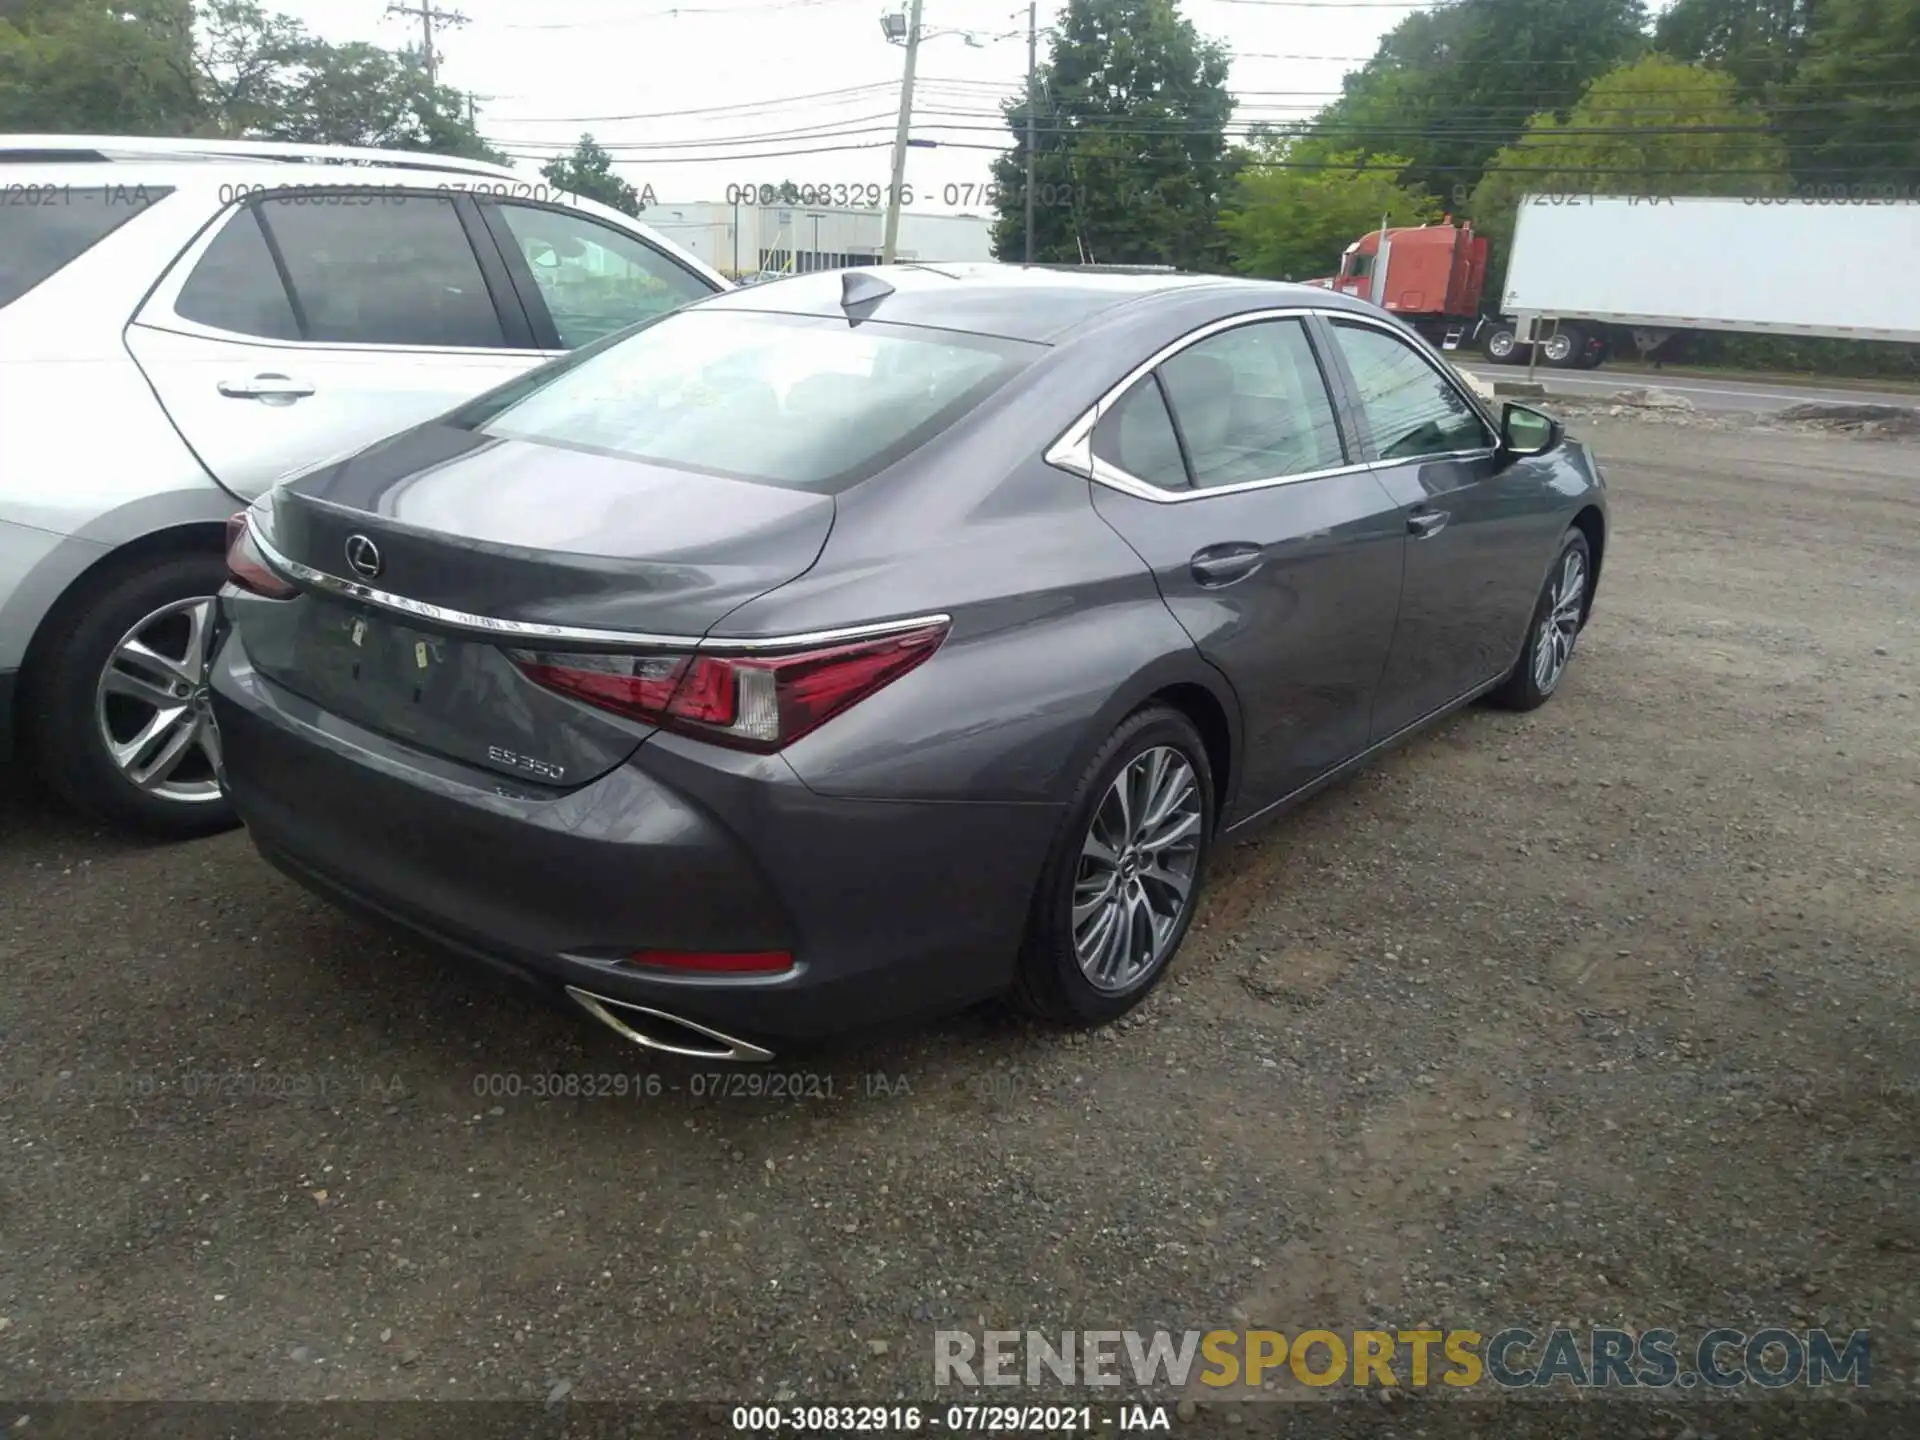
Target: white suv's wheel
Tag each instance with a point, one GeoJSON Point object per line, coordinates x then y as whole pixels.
{"type": "Point", "coordinates": [118, 706]}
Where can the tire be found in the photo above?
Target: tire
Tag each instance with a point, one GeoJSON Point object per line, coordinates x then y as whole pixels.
{"type": "Point", "coordinates": [1563, 350]}
{"type": "Point", "coordinates": [74, 705]}
{"type": "Point", "coordinates": [1531, 682]}
{"type": "Point", "coordinates": [1050, 982]}
{"type": "Point", "coordinates": [1500, 345]}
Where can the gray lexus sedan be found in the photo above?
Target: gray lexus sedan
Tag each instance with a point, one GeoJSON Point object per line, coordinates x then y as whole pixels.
{"type": "Point", "coordinates": [855, 648]}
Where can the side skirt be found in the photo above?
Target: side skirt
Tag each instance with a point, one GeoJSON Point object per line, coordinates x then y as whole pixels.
{"type": "Point", "coordinates": [1365, 757]}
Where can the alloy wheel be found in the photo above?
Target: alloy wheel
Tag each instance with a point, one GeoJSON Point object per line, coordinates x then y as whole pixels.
{"type": "Point", "coordinates": [1557, 348]}
{"type": "Point", "coordinates": [152, 705]}
{"type": "Point", "coordinates": [1135, 879]}
{"type": "Point", "coordinates": [1561, 625]}
{"type": "Point", "coordinates": [1500, 345]}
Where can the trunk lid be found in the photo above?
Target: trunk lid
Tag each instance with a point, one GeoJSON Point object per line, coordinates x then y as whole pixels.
{"type": "Point", "coordinates": [458, 527]}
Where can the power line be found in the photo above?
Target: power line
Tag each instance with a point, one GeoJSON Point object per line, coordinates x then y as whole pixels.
{"type": "Point", "coordinates": [671, 13]}
{"type": "Point", "coordinates": [1143, 128]}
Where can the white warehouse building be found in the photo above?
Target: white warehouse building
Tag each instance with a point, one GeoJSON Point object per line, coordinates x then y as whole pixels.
{"type": "Point", "coordinates": [744, 240]}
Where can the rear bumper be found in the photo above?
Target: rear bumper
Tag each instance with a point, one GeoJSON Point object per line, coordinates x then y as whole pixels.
{"type": "Point", "coordinates": [892, 910]}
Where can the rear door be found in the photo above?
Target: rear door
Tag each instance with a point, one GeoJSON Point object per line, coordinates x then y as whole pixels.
{"type": "Point", "coordinates": [306, 325]}
{"type": "Point", "coordinates": [1274, 545]}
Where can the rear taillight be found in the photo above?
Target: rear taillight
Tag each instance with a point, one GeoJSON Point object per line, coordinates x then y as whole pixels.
{"type": "Point", "coordinates": [749, 701]}
{"type": "Point", "coordinates": [247, 567]}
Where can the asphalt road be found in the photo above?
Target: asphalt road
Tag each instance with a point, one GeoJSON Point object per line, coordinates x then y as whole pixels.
{"type": "Point", "coordinates": [1609, 1013]}
{"type": "Point", "coordinates": [1724, 396]}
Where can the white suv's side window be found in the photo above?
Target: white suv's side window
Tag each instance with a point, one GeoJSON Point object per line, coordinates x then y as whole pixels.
{"type": "Point", "coordinates": [390, 271]}
{"type": "Point", "coordinates": [236, 287]}
{"type": "Point", "coordinates": [594, 279]}
{"type": "Point", "coordinates": [399, 271]}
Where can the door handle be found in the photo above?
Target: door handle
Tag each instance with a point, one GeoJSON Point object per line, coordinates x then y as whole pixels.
{"type": "Point", "coordinates": [267, 387]}
{"type": "Point", "coordinates": [1219, 565]}
{"type": "Point", "coordinates": [1422, 523]}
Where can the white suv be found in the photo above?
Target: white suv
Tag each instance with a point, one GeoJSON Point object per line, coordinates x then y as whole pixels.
{"type": "Point", "coordinates": [182, 323]}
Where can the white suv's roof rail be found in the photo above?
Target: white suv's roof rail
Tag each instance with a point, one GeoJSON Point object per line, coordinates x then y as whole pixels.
{"type": "Point", "coordinates": [69, 149]}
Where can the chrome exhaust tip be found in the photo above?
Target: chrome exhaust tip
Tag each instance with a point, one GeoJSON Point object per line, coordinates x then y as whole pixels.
{"type": "Point", "coordinates": [671, 1034]}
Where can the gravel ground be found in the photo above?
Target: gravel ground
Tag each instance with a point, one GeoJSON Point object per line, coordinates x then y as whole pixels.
{"type": "Point", "coordinates": [1601, 1014]}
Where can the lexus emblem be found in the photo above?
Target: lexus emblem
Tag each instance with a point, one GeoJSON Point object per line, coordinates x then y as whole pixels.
{"type": "Point", "coordinates": [363, 556]}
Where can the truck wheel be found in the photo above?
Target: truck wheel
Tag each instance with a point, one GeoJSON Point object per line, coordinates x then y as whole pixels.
{"type": "Point", "coordinates": [1563, 349]}
{"type": "Point", "coordinates": [1500, 346]}
{"type": "Point", "coordinates": [1594, 356]}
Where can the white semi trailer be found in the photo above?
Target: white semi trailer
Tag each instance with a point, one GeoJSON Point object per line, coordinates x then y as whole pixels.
{"type": "Point", "coordinates": [1844, 269]}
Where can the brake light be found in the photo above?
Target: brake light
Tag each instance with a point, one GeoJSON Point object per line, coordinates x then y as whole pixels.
{"type": "Point", "coordinates": [748, 701]}
{"type": "Point", "coordinates": [247, 567]}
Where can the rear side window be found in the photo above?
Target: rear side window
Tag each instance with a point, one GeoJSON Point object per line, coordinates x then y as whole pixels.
{"type": "Point", "coordinates": [236, 286]}
{"type": "Point", "coordinates": [44, 228]}
{"type": "Point", "coordinates": [806, 402]}
{"type": "Point", "coordinates": [400, 272]}
{"type": "Point", "coordinates": [1137, 436]}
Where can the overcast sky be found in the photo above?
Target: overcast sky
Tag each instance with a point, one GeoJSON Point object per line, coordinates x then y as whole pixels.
{"type": "Point", "coordinates": [721, 92]}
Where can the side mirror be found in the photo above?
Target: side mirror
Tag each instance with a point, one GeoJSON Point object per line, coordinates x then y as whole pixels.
{"type": "Point", "coordinates": [1525, 431]}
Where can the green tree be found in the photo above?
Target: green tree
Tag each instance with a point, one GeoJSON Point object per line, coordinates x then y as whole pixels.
{"type": "Point", "coordinates": [1130, 160]}
{"type": "Point", "coordinates": [1758, 42]}
{"type": "Point", "coordinates": [1859, 118]}
{"type": "Point", "coordinates": [361, 94]}
{"type": "Point", "coordinates": [589, 171]}
{"type": "Point", "coordinates": [224, 68]}
{"type": "Point", "coordinates": [1449, 87]}
{"type": "Point", "coordinates": [244, 65]}
{"type": "Point", "coordinates": [1656, 128]}
{"type": "Point", "coordinates": [1296, 207]}
{"type": "Point", "coordinates": [96, 66]}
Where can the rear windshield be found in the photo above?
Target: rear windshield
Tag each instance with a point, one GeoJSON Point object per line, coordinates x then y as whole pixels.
{"type": "Point", "coordinates": [46, 227]}
{"type": "Point", "coordinates": [807, 402]}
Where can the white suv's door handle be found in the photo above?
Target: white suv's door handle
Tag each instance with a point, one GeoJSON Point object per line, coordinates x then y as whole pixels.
{"type": "Point", "coordinates": [266, 387]}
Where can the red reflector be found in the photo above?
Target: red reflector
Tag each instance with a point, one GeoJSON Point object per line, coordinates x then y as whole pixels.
{"type": "Point", "coordinates": [717, 962]}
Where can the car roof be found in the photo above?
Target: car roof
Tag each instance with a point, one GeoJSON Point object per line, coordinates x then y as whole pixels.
{"type": "Point", "coordinates": [124, 155]}
{"type": "Point", "coordinates": [1040, 303]}
{"type": "Point", "coordinates": [231, 169]}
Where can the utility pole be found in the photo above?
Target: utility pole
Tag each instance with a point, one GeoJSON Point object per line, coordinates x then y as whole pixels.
{"type": "Point", "coordinates": [900, 137]}
{"type": "Point", "coordinates": [429, 15]}
{"type": "Point", "coordinates": [1033, 47]}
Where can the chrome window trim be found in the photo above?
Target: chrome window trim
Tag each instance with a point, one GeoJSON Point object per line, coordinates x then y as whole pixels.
{"type": "Point", "coordinates": [1073, 451]}
{"type": "Point", "coordinates": [492, 628]}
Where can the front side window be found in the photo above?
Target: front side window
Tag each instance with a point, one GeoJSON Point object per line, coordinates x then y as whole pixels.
{"type": "Point", "coordinates": [45, 228]}
{"type": "Point", "coordinates": [1411, 410]}
{"type": "Point", "coordinates": [1251, 404]}
{"type": "Point", "coordinates": [399, 272]}
{"type": "Point", "coordinates": [1137, 436]}
{"type": "Point", "coordinates": [800, 401]}
{"type": "Point", "coordinates": [594, 279]}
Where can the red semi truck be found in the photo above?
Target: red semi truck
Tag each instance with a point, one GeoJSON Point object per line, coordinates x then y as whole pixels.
{"type": "Point", "coordinates": [1431, 276]}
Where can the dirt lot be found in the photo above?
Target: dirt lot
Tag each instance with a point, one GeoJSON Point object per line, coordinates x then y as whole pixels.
{"type": "Point", "coordinates": [1606, 1013]}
